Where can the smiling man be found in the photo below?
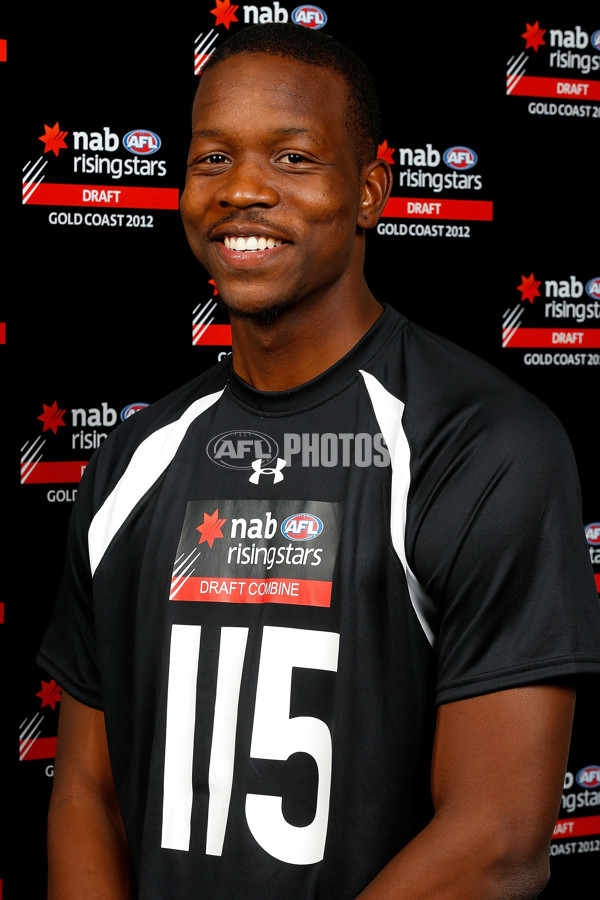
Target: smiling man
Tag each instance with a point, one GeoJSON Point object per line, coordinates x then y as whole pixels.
{"type": "Point", "coordinates": [278, 196]}
{"type": "Point", "coordinates": [324, 606]}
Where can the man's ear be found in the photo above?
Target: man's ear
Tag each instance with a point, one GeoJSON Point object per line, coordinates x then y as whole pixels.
{"type": "Point", "coordinates": [376, 185]}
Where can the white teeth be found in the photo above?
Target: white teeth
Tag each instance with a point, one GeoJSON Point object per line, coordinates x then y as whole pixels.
{"type": "Point", "coordinates": [252, 242]}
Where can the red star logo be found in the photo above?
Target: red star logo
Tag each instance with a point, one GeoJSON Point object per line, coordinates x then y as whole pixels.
{"type": "Point", "coordinates": [385, 152]}
{"type": "Point", "coordinates": [534, 36]}
{"type": "Point", "coordinates": [211, 528]}
{"type": "Point", "coordinates": [529, 288]}
{"type": "Point", "coordinates": [50, 693]}
{"type": "Point", "coordinates": [225, 13]}
{"type": "Point", "coordinates": [52, 417]}
{"type": "Point", "coordinates": [54, 139]}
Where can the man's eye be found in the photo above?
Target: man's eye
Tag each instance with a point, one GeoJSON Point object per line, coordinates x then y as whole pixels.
{"type": "Point", "coordinates": [208, 159]}
{"type": "Point", "coordinates": [293, 158]}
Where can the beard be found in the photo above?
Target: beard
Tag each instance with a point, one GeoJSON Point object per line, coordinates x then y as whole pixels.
{"type": "Point", "coordinates": [264, 316]}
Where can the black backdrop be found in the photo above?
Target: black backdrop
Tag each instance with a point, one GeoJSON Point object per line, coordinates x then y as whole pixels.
{"type": "Point", "coordinates": [494, 245]}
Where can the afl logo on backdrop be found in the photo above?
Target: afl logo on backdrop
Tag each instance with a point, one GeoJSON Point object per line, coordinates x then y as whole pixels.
{"type": "Point", "coordinates": [592, 288]}
{"type": "Point", "coordinates": [142, 143]}
{"type": "Point", "coordinates": [589, 777]}
{"type": "Point", "coordinates": [460, 158]}
{"type": "Point", "coordinates": [595, 41]}
{"type": "Point", "coordinates": [592, 534]}
{"type": "Point", "coordinates": [302, 527]}
{"type": "Point", "coordinates": [310, 16]}
{"type": "Point", "coordinates": [131, 410]}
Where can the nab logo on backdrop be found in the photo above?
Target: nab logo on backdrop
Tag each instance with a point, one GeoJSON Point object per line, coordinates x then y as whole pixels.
{"type": "Point", "coordinates": [84, 176]}
{"type": "Point", "coordinates": [434, 193]}
{"type": "Point", "coordinates": [555, 315]}
{"type": "Point", "coordinates": [227, 14]}
{"type": "Point", "coordinates": [557, 69]}
{"type": "Point", "coordinates": [59, 452]}
{"type": "Point", "coordinates": [580, 800]}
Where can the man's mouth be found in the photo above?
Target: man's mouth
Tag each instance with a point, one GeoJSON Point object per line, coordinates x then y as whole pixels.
{"type": "Point", "coordinates": [251, 242]}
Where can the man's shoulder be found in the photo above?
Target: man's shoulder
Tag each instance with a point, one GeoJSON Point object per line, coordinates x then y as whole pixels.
{"type": "Point", "coordinates": [454, 399]}
{"type": "Point", "coordinates": [428, 367]}
{"type": "Point", "coordinates": [445, 366]}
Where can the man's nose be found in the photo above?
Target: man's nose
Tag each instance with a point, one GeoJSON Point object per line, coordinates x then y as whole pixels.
{"type": "Point", "coordinates": [248, 183]}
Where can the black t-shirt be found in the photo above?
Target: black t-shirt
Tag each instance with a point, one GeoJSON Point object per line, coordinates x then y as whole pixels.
{"type": "Point", "coordinates": [269, 593]}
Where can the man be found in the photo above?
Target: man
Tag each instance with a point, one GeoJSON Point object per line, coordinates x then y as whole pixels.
{"type": "Point", "coordinates": [324, 605]}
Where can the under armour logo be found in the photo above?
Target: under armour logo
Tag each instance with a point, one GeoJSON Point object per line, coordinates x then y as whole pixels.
{"type": "Point", "coordinates": [258, 471]}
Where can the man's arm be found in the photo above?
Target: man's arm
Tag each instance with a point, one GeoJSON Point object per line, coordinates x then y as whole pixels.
{"type": "Point", "coordinates": [87, 848]}
{"type": "Point", "coordinates": [497, 777]}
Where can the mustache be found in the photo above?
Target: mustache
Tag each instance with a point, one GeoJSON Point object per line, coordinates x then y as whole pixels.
{"type": "Point", "coordinates": [246, 220]}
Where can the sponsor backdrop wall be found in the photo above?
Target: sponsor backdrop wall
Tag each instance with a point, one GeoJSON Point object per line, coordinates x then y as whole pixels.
{"type": "Point", "coordinates": [490, 239]}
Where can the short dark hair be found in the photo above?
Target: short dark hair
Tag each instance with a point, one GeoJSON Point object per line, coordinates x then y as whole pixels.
{"type": "Point", "coordinates": [363, 118]}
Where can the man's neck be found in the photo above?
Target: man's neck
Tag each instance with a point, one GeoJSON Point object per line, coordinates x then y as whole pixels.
{"type": "Point", "coordinates": [300, 343]}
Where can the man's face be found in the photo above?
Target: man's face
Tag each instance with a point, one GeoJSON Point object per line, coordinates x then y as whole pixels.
{"type": "Point", "coordinates": [272, 191]}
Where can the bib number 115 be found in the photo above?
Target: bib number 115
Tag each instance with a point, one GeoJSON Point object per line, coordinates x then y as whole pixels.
{"type": "Point", "coordinates": [274, 736]}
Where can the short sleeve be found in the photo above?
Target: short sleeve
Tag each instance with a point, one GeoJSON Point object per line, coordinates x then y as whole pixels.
{"type": "Point", "coordinates": [500, 548]}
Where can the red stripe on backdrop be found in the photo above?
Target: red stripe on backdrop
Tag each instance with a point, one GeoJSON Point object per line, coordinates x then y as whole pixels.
{"type": "Point", "coordinates": [103, 196]}
{"type": "Point", "coordinates": [566, 828]}
{"type": "Point", "coordinates": [69, 472]}
{"type": "Point", "coordinates": [214, 336]}
{"type": "Point", "coordinates": [41, 748]}
{"type": "Point", "coordinates": [558, 338]}
{"type": "Point", "coordinates": [563, 88]}
{"type": "Point", "coordinates": [436, 208]}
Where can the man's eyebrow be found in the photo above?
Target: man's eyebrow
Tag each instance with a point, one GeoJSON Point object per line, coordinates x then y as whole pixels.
{"type": "Point", "coordinates": [284, 131]}
{"type": "Point", "coordinates": [206, 132]}
{"type": "Point", "coordinates": [294, 130]}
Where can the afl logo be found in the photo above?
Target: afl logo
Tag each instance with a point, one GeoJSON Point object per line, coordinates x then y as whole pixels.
{"type": "Point", "coordinates": [142, 143]}
{"type": "Point", "coordinates": [592, 534]}
{"type": "Point", "coordinates": [239, 449]}
{"type": "Point", "coordinates": [309, 16]}
{"type": "Point", "coordinates": [302, 527]}
{"type": "Point", "coordinates": [592, 288]}
{"type": "Point", "coordinates": [460, 158]}
{"type": "Point", "coordinates": [131, 410]}
{"type": "Point", "coordinates": [589, 777]}
{"type": "Point", "coordinates": [595, 41]}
